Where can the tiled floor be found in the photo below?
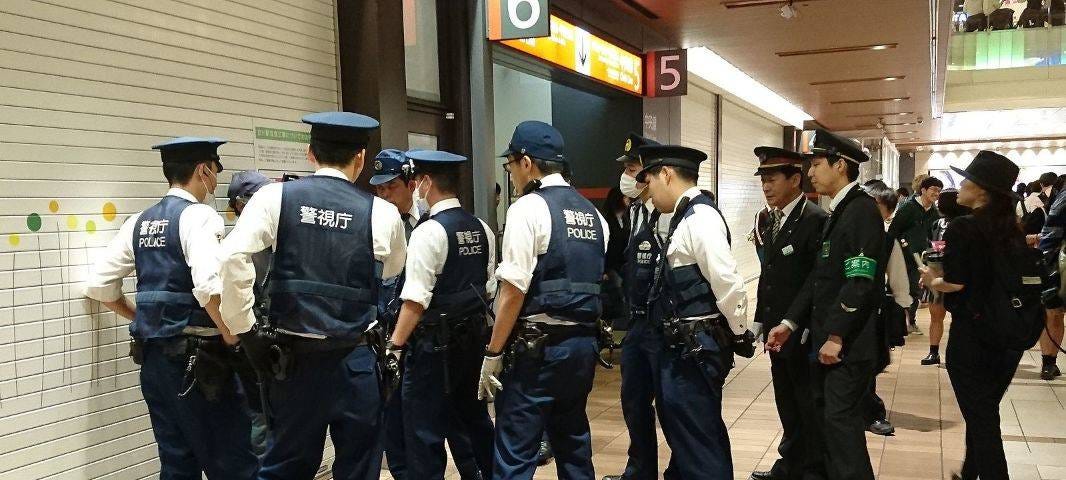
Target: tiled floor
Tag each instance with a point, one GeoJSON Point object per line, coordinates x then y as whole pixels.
{"type": "Point", "coordinates": [929, 439]}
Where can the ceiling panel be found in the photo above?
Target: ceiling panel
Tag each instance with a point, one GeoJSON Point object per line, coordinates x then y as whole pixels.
{"type": "Point", "coordinates": [752, 37]}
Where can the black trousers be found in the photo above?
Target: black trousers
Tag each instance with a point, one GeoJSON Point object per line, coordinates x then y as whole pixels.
{"type": "Point", "coordinates": [980, 376]}
{"type": "Point", "coordinates": [839, 393]}
{"type": "Point", "coordinates": [873, 407]}
{"type": "Point", "coordinates": [791, 373]}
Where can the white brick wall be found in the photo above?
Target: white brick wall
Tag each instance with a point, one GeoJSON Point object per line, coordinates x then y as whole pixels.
{"type": "Point", "coordinates": [739, 190]}
{"type": "Point", "coordinates": [86, 87]}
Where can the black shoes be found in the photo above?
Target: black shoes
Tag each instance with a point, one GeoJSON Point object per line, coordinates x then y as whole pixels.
{"type": "Point", "coordinates": [545, 455]}
{"type": "Point", "coordinates": [931, 359]}
{"type": "Point", "coordinates": [881, 427]}
{"type": "Point", "coordinates": [1049, 372]}
{"type": "Point", "coordinates": [764, 475]}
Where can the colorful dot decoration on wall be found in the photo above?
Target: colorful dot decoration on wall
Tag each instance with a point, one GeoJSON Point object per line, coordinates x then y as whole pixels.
{"type": "Point", "coordinates": [33, 222]}
{"type": "Point", "coordinates": [109, 211]}
{"type": "Point", "coordinates": [13, 239]}
{"type": "Point", "coordinates": [53, 206]}
{"type": "Point", "coordinates": [90, 227]}
{"type": "Point", "coordinates": [72, 222]}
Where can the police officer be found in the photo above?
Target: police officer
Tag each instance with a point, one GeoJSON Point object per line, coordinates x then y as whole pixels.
{"type": "Point", "coordinates": [199, 418]}
{"type": "Point", "coordinates": [332, 245]}
{"type": "Point", "coordinates": [242, 186]}
{"type": "Point", "coordinates": [553, 260]}
{"type": "Point", "coordinates": [640, 351]}
{"type": "Point", "coordinates": [699, 304]}
{"type": "Point", "coordinates": [392, 181]}
{"type": "Point", "coordinates": [839, 303]}
{"type": "Point", "coordinates": [442, 325]}
{"type": "Point", "coordinates": [791, 238]}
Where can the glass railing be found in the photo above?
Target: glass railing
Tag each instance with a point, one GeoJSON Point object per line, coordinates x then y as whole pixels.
{"type": "Point", "coordinates": [1012, 48]}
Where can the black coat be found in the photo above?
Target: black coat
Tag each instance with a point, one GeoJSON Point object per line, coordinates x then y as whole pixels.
{"type": "Point", "coordinates": [832, 304]}
{"type": "Point", "coordinates": [788, 261]}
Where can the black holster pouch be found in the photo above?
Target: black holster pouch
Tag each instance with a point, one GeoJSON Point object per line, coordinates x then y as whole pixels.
{"type": "Point", "coordinates": [269, 356]}
{"type": "Point", "coordinates": [527, 341]}
{"type": "Point", "coordinates": [604, 341]}
{"type": "Point", "coordinates": [683, 335]}
{"type": "Point", "coordinates": [390, 371]}
{"type": "Point", "coordinates": [137, 351]}
{"type": "Point", "coordinates": [212, 367]}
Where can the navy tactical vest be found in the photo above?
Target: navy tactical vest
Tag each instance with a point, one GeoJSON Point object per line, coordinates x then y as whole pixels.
{"type": "Point", "coordinates": [460, 286]}
{"type": "Point", "coordinates": [684, 292]}
{"type": "Point", "coordinates": [566, 281]}
{"type": "Point", "coordinates": [642, 257]}
{"type": "Point", "coordinates": [165, 303]}
{"type": "Point", "coordinates": [325, 279]}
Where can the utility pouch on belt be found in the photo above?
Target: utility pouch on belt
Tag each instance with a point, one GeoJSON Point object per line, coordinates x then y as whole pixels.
{"type": "Point", "coordinates": [529, 342]}
{"type": "Point", "coordinates": [212, 373]}
{"type": "Point", "coordinates": [137, 351]}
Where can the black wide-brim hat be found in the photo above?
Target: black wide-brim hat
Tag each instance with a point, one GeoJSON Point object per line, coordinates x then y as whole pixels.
{"type": "Point", "coordinates": [992, 172]}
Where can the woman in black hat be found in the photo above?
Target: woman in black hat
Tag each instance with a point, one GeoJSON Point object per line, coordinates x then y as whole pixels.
{"type": "Point", "coordinates": [980, 371]}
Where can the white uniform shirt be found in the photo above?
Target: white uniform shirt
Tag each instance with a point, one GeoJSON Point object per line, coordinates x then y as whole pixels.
{"type": "Point", "coordinates": [701, 239]}
{"type": "Point", "coordinates": [529, 228]}
{"type": "Point", "coordinates": [200, 228]}
{"type": "Point", "coordinates": [428, 250]}
{"type": "Point", "coordinates": [257, 229]}
{"type": "Point", "coordinates": [839, 197]}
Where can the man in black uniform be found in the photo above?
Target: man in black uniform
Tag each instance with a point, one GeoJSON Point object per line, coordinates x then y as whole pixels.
{"type": "Point", "coordinates": [838, 304]}
{"type": "Point", "coordinates": [791, 238]}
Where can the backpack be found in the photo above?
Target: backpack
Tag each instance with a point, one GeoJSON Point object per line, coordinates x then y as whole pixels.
{"type": "Point", "coordinates": [1010, 314]}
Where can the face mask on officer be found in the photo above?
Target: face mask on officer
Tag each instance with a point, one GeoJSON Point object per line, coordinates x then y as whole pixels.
{"type": "Point", "coordinates": [420, 198]}
{"type": "Point", "coordinates": [209, 188]}
{"type": "Point", "coordinates": [629, 186]}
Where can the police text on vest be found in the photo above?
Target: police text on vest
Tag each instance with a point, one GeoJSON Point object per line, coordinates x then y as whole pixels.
{"type": "Point", "coordinates": [580, 225]}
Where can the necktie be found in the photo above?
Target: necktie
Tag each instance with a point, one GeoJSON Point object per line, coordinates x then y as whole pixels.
{"type": "Point", "coordinates": [407, 228]}
{"type": "Point", "coordinates": [775, 226]}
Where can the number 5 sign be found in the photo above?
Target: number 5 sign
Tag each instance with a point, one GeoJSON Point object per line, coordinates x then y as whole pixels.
{"type": "Point", "coordinates": [667, 73]}
{"type": "Point", "coordinates": [511, 19]}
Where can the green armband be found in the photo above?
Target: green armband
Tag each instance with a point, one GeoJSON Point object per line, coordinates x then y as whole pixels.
{"type": "Point", "coordinates": [860, 267]}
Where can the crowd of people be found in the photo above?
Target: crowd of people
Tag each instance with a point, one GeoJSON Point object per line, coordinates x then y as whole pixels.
{"type": "Point", "coordinates": [390, 321]}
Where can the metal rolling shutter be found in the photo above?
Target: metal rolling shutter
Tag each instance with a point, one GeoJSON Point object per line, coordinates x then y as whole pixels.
{"type": "Point", "coordinates": [87, 86]}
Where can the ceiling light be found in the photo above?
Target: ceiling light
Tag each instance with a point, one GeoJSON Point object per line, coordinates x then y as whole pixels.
{"type": "Point", "coordinates": [856, 48]}
{"type": "Point", "coordinates": [870, 100]}
{"type": "Point", "coordinates": [711, 67]}
{"type": "Point", "coordinates": [859, 80]}
{"type": "Point", "coordinates": [788, 12]}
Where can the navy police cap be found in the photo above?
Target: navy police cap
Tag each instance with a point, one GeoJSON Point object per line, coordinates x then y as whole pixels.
{"type": "Point", "coordinates": [341, 127]}
{"type": "Point", "coordinates": [190, 149]}
{"type": "Point", "coordinates": [826, 144]}
{"type": "Point", "coordinates": [245, 183]}
{"type": "Point", "coordinates": [632, 146]}
{"type": "Point", "coordinates": [435, 156]}
{"type": "Point", "coordinates": [773, 158]}
{"type": "Point", "coordinates": [388, 164]}
{"type": "Point", "coordinates": [537, 140]}
{"type": "Point", "coordinates": [669, 156]}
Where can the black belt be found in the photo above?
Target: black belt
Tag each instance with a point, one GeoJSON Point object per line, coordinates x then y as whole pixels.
{"type": "Point", "coordinates": [557, 333]}
{"type": "Point", "coordinates": [178, 346]}
{"type": "Point", "coordinates": [315, 345]}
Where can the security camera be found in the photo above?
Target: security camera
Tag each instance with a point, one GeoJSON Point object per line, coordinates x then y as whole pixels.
{"type": "Point", "coordinates": [788, 12]}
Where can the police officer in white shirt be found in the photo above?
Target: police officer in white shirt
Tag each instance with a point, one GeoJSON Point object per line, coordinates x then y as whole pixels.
{"type": "Point", "coordinates": [442, 326]}
{"type": "Point", "coordinates": [699, 304]}
{"type": "Point", "coordinates": [553, 260]}
{"type": "Point", "coordinates": [199, 418]}
{"type": "Point", "coordinates": [332, 244]}
{"type": "Point", "coordinates": [648, 229]}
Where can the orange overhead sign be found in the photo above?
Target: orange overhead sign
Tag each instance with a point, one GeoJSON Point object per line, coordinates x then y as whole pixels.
{"type": "Point", "coordinates": [575, 49]}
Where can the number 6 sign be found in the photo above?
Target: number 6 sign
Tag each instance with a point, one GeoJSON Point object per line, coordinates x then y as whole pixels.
{"type": "Point", "coordinates": [511, 19]}
{"type": "Point", "coordinates": [667, 73]}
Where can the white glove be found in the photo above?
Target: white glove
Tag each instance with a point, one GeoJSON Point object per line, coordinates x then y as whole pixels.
{"type": "Point", "coordinates": [490, 372]}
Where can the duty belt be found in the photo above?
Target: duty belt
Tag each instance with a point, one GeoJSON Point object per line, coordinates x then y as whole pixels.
{"type": "Point", "coordinates": [299, 344]}
{"type": "Point", "coordinates": [679, 332]}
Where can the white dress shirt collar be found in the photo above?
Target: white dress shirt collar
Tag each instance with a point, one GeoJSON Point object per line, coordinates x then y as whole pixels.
{"type": "Point", "coordinates": [787, 211]}
{"type": "Point", "coordinates": [182, 193]}
{"type": "Point", "coordinates": [690, 193]}
{"type": "Point", "coordinates": [331, 172]}
{"type": "Point", "coordinates": [446, 204]}
{"type": "Point", "coordinates": [554, 180]}
{"type": "Point", "coordinates": [839, 197]}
